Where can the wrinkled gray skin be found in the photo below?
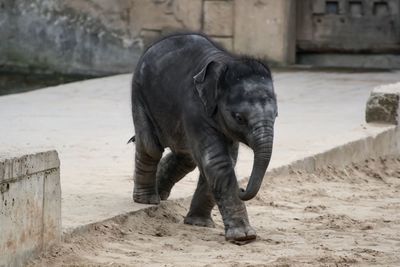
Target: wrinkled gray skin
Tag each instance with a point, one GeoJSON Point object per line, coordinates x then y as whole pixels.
{"type": "Point", "coordinates": [200, 101]}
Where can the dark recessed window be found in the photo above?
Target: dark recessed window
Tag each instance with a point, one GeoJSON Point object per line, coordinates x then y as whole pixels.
{"type": "Point", "coordinates": [381, 9]}
{"type": "Point", "coordinates": [356, 8]}
{"type": "Point", "coordinates": [332, 7]}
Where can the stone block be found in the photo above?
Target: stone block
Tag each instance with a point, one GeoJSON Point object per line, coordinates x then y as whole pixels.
{"type": "Point", "coordinates": [189, 12]}
{"type": "Point", "coordinates": [149, 36]}
{"type": "Point", "coordinates": [30, 206]}
{"type": "Point", "coordinates": [134, 15]}
{"type": "Point", "coordinates": [225, 42]}
{"type": "Point", "coordinates": [218, 18]}
{"type": "Point", "coordinates": [51, 207]}
{"type": "Point", "coordinates": [21, 213]}
{"type": "Point", "coordinates": [383, 105]}
{"type": "Point", "coordinates": [157, 15]}
{"type": "Point", "coordinates": [266, 29]}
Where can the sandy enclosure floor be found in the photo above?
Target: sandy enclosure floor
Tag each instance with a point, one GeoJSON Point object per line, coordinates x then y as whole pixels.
{"type": "Point", "coordinates": [333, 217]}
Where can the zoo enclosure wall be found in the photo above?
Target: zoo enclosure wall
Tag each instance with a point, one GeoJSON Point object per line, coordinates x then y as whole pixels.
{"type": "Point", "coordinates": [107, 37]}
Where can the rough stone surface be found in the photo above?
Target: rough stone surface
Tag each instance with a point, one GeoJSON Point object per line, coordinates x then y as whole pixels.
{"type": "Point", "coordinates": [159, 18]}
{"type": "Point", "coordinates": [106, 37]}
{"type": "Point", "coordinates": [367, 61]}
{"type": "Point", "coordinates": [226, 42]}
{"type": "Point", "coordinates": [342, 26]}
{"type": "Point", "coordinates": [74, 42]}
{"type": "Point", "coordinates": [85, 36]}
{"type": "Point", "coordinates": [266, 29]}
{"type": "Point", "coordinates": [383, 104]}
{"type": "Point", "coordinates": [218, 18]}
{"type": "Point", "coordinates": [30, 206]}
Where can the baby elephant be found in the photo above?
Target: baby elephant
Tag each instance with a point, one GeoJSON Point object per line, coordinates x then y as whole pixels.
{"type": "Point", "coordinates": [200, 101]}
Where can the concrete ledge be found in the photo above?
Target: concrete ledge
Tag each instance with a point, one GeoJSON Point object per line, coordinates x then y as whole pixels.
{"type": "Point", "coordinates": [382, 144]}
{"type": "Point", "coordinates": [383, 104]}
{"type": "Point", "coordinates": [30, 206]}
{"type": "Point", "coordinates": [337, 60]}
{"type": "Point", "coordinates": [385, 143]}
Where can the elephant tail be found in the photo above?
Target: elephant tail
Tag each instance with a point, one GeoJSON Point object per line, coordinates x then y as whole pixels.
{"type": "Point", "coordinates": [132, 140]}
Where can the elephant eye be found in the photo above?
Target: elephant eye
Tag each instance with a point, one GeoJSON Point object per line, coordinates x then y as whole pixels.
{"type": "Point", "coordinates": [239, 118]}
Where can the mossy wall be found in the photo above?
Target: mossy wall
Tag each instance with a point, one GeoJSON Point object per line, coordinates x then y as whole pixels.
{"type": "Point", "coordinates": [48, 36]}
{"type": "Point", "coordinates": [100, 37]}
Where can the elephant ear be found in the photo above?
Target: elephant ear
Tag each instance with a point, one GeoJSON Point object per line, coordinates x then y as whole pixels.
{"type": "Point", "coordinates": [207, 85]}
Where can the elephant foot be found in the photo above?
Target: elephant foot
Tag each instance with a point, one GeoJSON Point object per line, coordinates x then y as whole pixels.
{"type": "Point", "coordinates": [199, 221]}
{"type": "Point", "coordinates": [146, 199]}
{"type": "Point", "coordinates": [240, 234]}
{"type": "Point", "coordinates": [164, 188]}
{"type": "Point", "coordinates": [164, 194]}
{"type": "Point", "coordinates": [145, 196]}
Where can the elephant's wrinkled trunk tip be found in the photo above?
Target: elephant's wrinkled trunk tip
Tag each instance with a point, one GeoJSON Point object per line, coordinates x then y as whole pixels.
{"type": "Point", "coordinates": [262, 155]}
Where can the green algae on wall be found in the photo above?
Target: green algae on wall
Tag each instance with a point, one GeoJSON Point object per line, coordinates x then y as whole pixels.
{"type": "Point", "coordinates": [46, 36]}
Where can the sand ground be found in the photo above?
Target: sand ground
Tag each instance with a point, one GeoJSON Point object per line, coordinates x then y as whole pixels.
{"type": "Point", "coordinates": [333, 217]}
{"type": "Point", "coordinates": [89, 123]}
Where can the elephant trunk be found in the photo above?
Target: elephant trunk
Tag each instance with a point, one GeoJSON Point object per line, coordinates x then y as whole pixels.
{"type": "Point", "coordinates": [261, 143]}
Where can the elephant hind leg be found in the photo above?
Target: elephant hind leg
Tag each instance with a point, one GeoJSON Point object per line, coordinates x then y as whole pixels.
{"type": "Point", "coordinates": [171, 169]}
{"type": "Point", "coordinates": [145, 189]}
{"type": "Point", "coordinates": [147, 156]}
{"type": "Point", "coordinates": [202, 204]}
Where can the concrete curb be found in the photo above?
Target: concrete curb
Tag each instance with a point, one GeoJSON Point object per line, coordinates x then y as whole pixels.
{"type": "Point", "coordinates": [30, 206]}
{"type": "Point", "coordinates": [384, 143]}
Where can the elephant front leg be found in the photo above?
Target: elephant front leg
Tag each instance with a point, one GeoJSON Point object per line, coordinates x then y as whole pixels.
{"type": "Point", "coordinates": [236, 221]}
{"type": "Point", "coordinates": [145, 188]}
{"type": "Point", "coordinates": [221, 176]}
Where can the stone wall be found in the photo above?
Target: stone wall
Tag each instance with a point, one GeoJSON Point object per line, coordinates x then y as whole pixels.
{"type": "Point", "coordinates": [343, 26]}
{"type": "Point", "coordinates": [30, 206]}
{"type": "Point", "coordinates": [50, 36]}
{"type": "Point", "coordinates": [266, 29]}
{"type": "Point", "coordinates": [104, 37]}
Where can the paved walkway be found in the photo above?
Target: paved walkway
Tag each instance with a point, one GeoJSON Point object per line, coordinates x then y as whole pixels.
{"type": "Point", "coordinates": [89, 122]}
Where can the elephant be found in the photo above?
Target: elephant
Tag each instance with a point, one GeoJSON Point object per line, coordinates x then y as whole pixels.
{"type": "Point", "coordinates": [197, 99]}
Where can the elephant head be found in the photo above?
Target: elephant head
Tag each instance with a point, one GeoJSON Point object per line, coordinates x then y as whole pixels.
{"type": "Point", "coordinates": [239, 95]}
